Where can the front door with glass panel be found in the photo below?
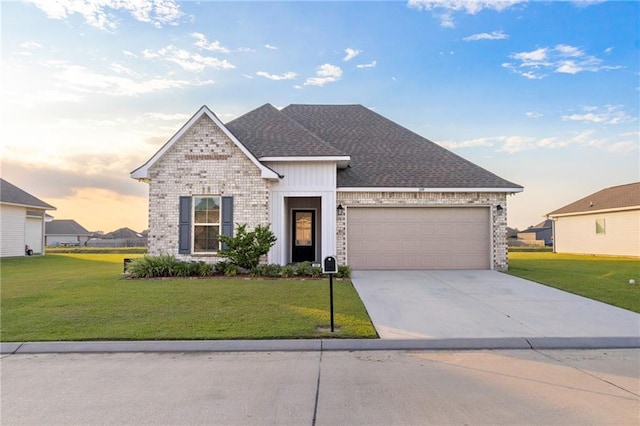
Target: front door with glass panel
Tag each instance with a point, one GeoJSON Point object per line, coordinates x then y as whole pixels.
{"type": "Point", "coordinates": [303, 236]}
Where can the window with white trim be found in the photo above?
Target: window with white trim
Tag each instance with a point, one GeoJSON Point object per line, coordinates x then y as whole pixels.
{"type": "Point", "coordinates": [206, 224]}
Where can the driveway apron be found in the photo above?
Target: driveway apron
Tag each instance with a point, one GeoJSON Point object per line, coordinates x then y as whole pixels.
{"type": "Point", "coordinates": [482, 304]}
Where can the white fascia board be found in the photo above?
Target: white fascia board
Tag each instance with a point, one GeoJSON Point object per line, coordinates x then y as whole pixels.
{"type": "Point", "coordinates": [29, 206]}
{"type": "Point", "coordinates": [409, 189]}
{"type": "Point", "coordinates": [585, 213]}
{"type": "Point", "coordinates": [342, 161]}
{"type": "Point", "coordinates": [142, 172]}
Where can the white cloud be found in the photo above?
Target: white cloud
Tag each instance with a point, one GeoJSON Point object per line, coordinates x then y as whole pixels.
{"type": "Point", "coordinates": [121, 69]}
{"type": "Point", "coordinates": [625, 146]}
{"type": "Point", "coordinates": [608, 50]}
{"type": "Point", "coordinates": [78, 79]}
{"type": "Point", "coordinates": [129, 54]}
{"type": "Point", "coordinates": [533, 114]}
{"type": "Point", "coordinates": [517, 143]}
{"type": "Point", "coordinates": [187, 60]}
{"type": "Point", "coordinates": [99, 13]}
{"type": "Point", "coordinates": [495, 35]}
{"type": "Point", "coordinates": [286, 76]}
{"type": "Point", "coordinates": [562, 58]}
{"type": "Point", "coordinates": [166, 117]}
{"type": "Point", "coordinates": [351, 53]}
{"type": "Point", "coordinates": [369, 65]}
{"type": "Point", "coordinates": [325, 73]}
{"type": "Point", "coordinates": [444, 9]}
{"type": "Point", "coordinates": [610, 114]}
{"type": "Point", "coordinates": [30, 45]}
{"type": "Point", "coordinates": [203, 43]}
{"type": "Point", "coordinates": [270, 47]}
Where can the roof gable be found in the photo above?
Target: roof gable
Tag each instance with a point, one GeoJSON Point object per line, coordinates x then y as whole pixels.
{"type": "Point", "coordinates": [64, 227]}
{"type": "Point", "coordinates": [615, 197]}
{"type": "Point", "coordinates": [266, 132]}
{"type": "Point", "coordinates": [142, 172]}
{"type": "Point", "coordinates": [385, 154]}
{"type": "Point", "coordinates": [11, 194]}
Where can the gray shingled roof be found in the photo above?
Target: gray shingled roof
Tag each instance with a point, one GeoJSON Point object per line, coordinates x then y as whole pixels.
{"type": "Point", "coordinates": [383, 153]}
{"type": "Point", "coordinates": [616, 197]}
{"type": "Point", "coordinates": [64, 227]}
{"type": "Point", "coordinates": [11, 194]}
{"type": "Point", "coordinates": [266, 132]}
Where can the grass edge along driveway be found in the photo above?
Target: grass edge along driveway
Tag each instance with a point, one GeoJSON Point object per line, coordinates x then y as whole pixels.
{"type": "Point", "coordinates": [601, 278]}
{"type": "Point", "coordinates": [76, 297]}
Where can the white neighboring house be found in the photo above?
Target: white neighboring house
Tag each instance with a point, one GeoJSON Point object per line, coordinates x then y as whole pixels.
{"type": "Point", "coordinates": [22, 219]}
{"type": "Point", "coordinates": [606, 222]}
{"type": "Point", "coordinates": [65, 232]}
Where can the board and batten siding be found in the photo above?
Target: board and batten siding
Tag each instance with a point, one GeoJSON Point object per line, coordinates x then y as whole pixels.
{"type": "Point", "coordinates": [577, 234]}
{"type": "Point", "coordinates": [302, 179]}
{"type": "Point", "coordinates": [13, 219]}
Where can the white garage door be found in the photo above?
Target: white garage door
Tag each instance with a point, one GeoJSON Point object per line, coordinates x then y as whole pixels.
{"type": "Point", "coordinates": [33, 234]}
{"type": "Point", "coordinates": [418, 238]}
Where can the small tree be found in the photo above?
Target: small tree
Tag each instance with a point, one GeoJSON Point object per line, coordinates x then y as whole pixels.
{"type": "Point", "coordinates": [246, 247]}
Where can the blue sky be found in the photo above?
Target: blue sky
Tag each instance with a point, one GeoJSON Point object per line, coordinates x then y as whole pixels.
{"type": "Point", "coordinates": [545, 94]}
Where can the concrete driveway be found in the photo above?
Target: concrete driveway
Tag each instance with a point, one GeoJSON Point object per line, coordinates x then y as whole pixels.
{"type": "Point", "coordinates": [482, 304]}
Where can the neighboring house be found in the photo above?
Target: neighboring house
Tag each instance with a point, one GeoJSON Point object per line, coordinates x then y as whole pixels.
{"type": "Point", "coordinates": [330, 180]}
{"type": "Point", "coordinates": [22, 218]}
{"type": "Point", "coordinates": [540, 234]}
{"type": "Point", "coordinates": [65, 232]}
{"type": "Point", "coordinates": [123, 237]}
{"type": "Point", "coordinates": [605, 222]}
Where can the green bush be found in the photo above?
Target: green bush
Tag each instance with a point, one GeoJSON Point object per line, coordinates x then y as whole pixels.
{"type": "Point", "coordinates": [316, 272]}
{"type": "Point", "coordinates": [344, 271]}
{"type": "Point", "coordinates": [246, 247]}
{"type": "Point", "coordinates": [154, 266]}
{"type": "Point", "coordinates": [288, 271]}
{"type": "Point", "coordinates": [303, 269]}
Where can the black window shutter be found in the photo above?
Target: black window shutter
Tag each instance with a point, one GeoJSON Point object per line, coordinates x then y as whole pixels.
{"type": "Point", "coordinates": [227, 218]}
{"type": "Point", "coordinates": [184, 226]}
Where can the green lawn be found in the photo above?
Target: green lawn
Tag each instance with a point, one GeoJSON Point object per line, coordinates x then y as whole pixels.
{"type": "Point", "coordinates": [84, 297]}
{"type": "Point", "coordinates": [597, 277]}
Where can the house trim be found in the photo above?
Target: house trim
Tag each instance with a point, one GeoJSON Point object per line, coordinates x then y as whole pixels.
{"type": "Point", "coordinates": [142, 172]}
{"type": "Point", "coordinates": [341, 161]}
{"type": "Point", "coordinates": [584, 213]}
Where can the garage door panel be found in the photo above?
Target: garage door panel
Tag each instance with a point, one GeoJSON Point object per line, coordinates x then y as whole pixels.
{"type": "Point", "coordinates": [418, 238]}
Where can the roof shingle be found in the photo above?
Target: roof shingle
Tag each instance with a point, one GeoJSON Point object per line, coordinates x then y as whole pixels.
{"type": "Point", "coordinates": [64, 227]}
{"type": "Point", "coordinates": [11, 194]}
{"type": "Point", "coordinates": [383, 153]}
{"type": "Point", "coordinates": [266, 132]}
{"type": "Point", "coordinates": [615, 197]}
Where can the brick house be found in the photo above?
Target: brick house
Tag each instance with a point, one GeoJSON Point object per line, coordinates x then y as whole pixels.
{"type": "Point", "coordinates": [330, 180]}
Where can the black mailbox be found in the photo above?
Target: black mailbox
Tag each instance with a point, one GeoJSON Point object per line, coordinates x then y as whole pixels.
{"type": "Point", "coordinates": [330, 265]}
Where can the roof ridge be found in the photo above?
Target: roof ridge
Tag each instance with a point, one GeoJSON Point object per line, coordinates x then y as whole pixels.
{"type": "Point", "coordinates": [314, 135]}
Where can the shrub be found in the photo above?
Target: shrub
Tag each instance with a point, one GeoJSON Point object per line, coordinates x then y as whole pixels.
{"type": "Point", "coordinates": [221, 266]}
{"type": "Point", "coordinates": [344, 271]}
{"type": "Point", "coordinates": [303, 269]}
{"type": "Point", "coordinates": [272, 270]}
{"type": "Point", "coordinates": [246, 247]}
{"type": "Point", "coordinates": [288, 271]}
{"type": "Point", "coordinates": [316, 272]}
{"type": "Point", "coordinates": [154, 266]}
{"type": "Point", "coordinates": [231, 270]}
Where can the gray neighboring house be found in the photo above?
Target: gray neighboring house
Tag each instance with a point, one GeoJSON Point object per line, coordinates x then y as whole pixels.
{"type": "Point", "coordinates": [330, 180]}
{"type": "Point", "coordinates": [606, 222]}
{"type": "Point", "coordinates": [541, 233]}
{"type": "Point", "coordinates": [65, 232]}
{"type": "Point", "coordinates": [22, 219]}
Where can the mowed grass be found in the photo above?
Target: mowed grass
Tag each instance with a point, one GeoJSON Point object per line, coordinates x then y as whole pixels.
{"type": "Point", "coordinates": [85, 297]}
{"type": "Point", "coordinates": [597, 277]}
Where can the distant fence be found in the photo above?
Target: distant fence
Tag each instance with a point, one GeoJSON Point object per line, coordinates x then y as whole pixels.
{"type": "Point", "coordinates": [523, 243]}
{"type": "Point", "coordinates": [118, 242]}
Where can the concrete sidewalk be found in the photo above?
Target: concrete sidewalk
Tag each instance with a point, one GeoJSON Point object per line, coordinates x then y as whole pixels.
{"type": "Point", "coordinates": [484, 304]}
{"type": "Point", "coordinates": [512, 387]}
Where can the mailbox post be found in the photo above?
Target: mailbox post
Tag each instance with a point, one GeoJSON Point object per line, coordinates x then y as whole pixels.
{"type": "Point", "coordinates": [330, 266]}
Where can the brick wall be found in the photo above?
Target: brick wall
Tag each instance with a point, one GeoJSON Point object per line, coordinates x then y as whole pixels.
{"type": "Point", "coordinates": [499, 225]}
{"type": "Point", "coordinates": [203, 162]}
